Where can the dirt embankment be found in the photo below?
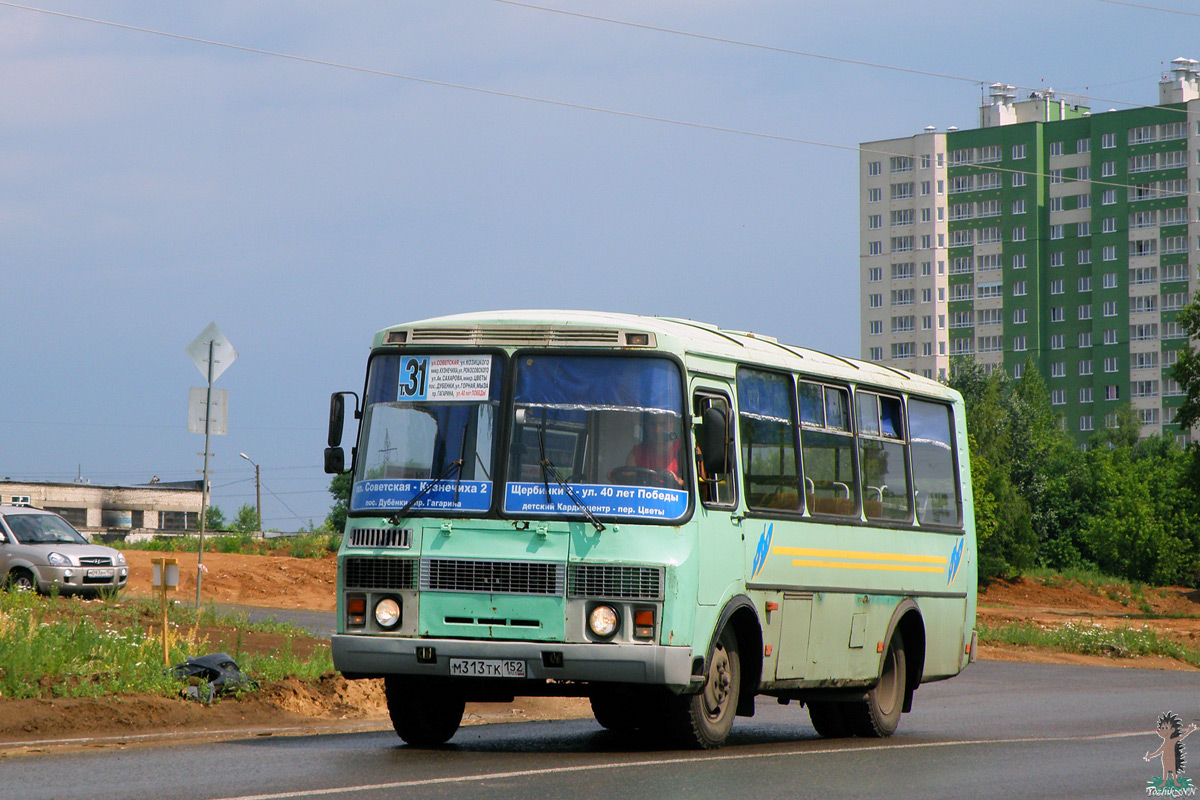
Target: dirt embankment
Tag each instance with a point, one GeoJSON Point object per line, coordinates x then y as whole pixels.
{"type": "Point", "coordinates": [1171, 611]}
{"type": "Point", "coordinates": [284, 582]}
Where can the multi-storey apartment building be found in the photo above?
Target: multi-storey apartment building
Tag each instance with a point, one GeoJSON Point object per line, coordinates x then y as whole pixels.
{"type": "Point", "coordinates": [1049, 235]}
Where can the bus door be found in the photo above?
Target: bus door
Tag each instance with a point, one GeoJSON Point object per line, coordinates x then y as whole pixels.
{"type": "Point", "coordinates": [719, 531]}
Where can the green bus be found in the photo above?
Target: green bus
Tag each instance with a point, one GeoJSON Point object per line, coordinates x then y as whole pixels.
{"type": "Point", "coordinates": [659, 515]}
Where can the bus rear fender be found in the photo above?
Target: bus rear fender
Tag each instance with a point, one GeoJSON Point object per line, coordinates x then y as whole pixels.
{"type": "Point", "coordinates": [907, 619]}
{"type": "Point", "coordinates": [739, 613]}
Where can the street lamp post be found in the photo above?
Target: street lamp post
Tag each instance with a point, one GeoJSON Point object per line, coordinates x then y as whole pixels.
{"type": "Point", "coordinates": [257, 492]}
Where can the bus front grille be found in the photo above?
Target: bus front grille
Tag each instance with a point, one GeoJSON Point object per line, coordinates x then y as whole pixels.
{"type": "Point", "coordinates": [381, 573]}
{"type": "Point", "coordinates": [491, 577]}
{"type": "Point", "coordinates": [616, 581]}
{"type": "Point", "coordinates": [381, 537]}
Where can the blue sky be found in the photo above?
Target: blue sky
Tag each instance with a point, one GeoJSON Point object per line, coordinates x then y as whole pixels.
{"type": "Point", "coordinates": [153, 185]}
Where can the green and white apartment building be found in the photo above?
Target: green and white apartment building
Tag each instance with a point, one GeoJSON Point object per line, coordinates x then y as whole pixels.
{"type": "Point", "coordinates": [1051, 235]}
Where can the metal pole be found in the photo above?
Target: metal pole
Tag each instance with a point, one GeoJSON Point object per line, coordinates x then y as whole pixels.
{"type": "Point", "coordinates": [204, 475]}
{"type": "Point", "coordinates": [258, 498]}
{"type": "Point", "coordinates": [257, 492]}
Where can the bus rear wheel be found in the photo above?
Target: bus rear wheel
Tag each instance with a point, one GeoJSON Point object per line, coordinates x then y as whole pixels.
{"type": "Point", "coordinates": [619, 710]}
{"type": "Point", "coordinates": [704, 720]}
{"type": "Point", "coordinates": [828, 719]}
{"type": "Point", "coordinates": [424, 713]}
{"type": "Point", "coordinates": [878, 715]}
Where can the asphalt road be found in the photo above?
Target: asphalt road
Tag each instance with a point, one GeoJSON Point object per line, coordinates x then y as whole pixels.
{"type": "Point", "coordinates": [998, 731]}
{"type": "Point", "coordinates": [321, 624]}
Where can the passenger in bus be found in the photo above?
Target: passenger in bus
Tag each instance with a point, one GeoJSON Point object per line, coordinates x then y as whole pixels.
{"type": "Point", "coordinates": [660, 451]}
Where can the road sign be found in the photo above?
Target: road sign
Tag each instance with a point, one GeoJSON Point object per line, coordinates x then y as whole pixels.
{"type": "Point", "coordinates": [220, 411]}
{"type": "Point", "coordinates": [222, 351]}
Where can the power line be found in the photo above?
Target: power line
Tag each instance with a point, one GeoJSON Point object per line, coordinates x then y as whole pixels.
{"type": "Point", "coordinates": [739, 43]}
{"type": "Point", "coordinates": [825, 57]}
{"type": "Point", "coordinates": [511, 95]}
{"type": "Point", "coordinates": [1151, 8]}
{"type": "Point", "coordinates": [71, 424]}
{"type": "Point", "coordinates": [571, 105]}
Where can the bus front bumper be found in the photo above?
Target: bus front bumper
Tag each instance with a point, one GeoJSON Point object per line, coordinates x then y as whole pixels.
{"type": "Point", "coordinates": [379, 656]}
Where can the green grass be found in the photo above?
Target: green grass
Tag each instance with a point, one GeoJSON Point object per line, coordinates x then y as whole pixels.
{"type": "Point", "coordinates": [307, 545]}
{"type": "Point", "coordinates": [64, 647]}
{"type": "Point", "coordinates": [1084, 639]}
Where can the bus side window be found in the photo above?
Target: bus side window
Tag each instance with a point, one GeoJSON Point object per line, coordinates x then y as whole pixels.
{"type": "Point", "coordinates": [935, 476]}
{"type": "Point", "coordinates": [882, 457]}
{"type": "Point", "coordinates": [715, 490]}
{"type": "Point", "coordinates": [767, 428]}
{"type": "Point", "coordinates": [827, 449]}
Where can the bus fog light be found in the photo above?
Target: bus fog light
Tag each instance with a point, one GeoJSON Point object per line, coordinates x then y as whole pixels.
{"type": "Point", "coordinates": [603, 621]}
{"type": "Point", "coordinates": [387, 613]}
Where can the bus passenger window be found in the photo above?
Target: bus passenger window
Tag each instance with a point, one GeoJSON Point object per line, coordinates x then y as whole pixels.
{"type": "Point", "coordinates": [768, 437]}
{"type": "Point", "coordinates": [827, 448]}
{"type": "Point", "coordinates": [837, 409]}
{"type": "Point", "coordinates": [812, 404]}
{"type": "Point", "coordinates": [935, 478]}
{"type": "Point", "coordinates": [868, 413]}
{"type": "Point", "coordinates": [882, 457]}
{"type": "Point", "coordinates": [715, 490]}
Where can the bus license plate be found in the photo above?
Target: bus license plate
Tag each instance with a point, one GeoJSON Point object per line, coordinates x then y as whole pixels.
{"type": "Point", "coordinates": [101, 573]}
{"type": "Point", "coordinates": [487, 668]}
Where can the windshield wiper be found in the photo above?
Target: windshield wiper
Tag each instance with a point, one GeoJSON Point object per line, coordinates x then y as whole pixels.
{"type": "Point", "coordinates": [462, 457]}
{"type": "Point", "coordinates": [549, 469]}
{"type": "Point", "coordinates": [396, 518]}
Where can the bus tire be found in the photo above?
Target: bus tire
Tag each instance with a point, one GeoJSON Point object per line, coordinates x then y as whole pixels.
{"type": "Point", "coordinates": [828, 719]}
{"type": "Point", "coordinates": [616, 710]}
{"type": "Point", "coordinates": [424, 713]}
{"type": "Point", "coordinates": [879, 714]}
{"type": "Point", "coordinates": [703, 720]}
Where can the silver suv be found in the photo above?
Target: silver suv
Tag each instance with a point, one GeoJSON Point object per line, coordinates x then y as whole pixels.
{"type": "Point", "coordinates": [40, 550]}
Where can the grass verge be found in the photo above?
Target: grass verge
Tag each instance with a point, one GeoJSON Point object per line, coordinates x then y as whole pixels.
{"type": "Point", "coordinates": [67, 647]}
{"type": "Point", "coordinates": [1096, 640]}
{"type": "Point", "coordinates": [305, 545]}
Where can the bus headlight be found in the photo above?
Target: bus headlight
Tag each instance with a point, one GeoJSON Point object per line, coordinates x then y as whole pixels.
{"type": "Point", "coordinates": [603, 621]}
{"type": "Point", "coordinates": [387, 613]}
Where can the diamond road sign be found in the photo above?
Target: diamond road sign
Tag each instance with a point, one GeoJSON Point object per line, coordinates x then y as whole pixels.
{"type": "Point", "coordinates": [223, 353]}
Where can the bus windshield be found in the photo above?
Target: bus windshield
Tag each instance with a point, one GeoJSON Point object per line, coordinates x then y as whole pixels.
{"type": "Point", "coordinates": [609, 426]}
{"type": "Point", "coordinates": [429, 429]}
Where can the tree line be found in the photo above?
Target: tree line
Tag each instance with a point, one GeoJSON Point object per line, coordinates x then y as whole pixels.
{"type": "Point", "coordinates": [1126, 507]}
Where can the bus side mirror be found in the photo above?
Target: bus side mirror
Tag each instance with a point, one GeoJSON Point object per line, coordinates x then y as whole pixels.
{"type": "Point", "coordinates": [715, 443]}
{"type": "Point", "coordinates": [337, 418]}
{"type": "Point", "coordinates": [335, 461]}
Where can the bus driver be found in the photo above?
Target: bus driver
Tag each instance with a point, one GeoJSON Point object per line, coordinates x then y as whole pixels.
{"type": "Point", "coordinates": [659, 451]}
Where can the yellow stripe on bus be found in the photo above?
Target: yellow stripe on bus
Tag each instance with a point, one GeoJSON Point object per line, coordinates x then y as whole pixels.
{"type": "Point", "coordinates": [863, 555]}
{"type": "Point", "coordinates": [864, 565]}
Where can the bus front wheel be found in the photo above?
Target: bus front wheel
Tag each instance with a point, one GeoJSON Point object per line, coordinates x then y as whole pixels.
{"type": "Point", "coordinates": [704, 720]}
{"type": "Point", "coordinates": [878, 715]}
{"type": "Point", "coordinates": [424, 713]}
